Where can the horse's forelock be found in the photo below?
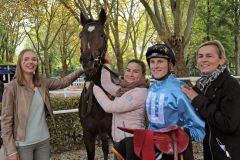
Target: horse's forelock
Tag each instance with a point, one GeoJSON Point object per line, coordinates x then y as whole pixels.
{"type": "Point", "coordinates": [92, 53]}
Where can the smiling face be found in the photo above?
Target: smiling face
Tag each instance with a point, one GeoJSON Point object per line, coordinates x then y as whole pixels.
{"type": "Point", "coordinates": [208, 59]}
{"type": "Point", "coordinates": [159, 67]}
{"type": "Point", "coordinates": [29, 62]}
{"type": "Point", "coordinates": [133, 72]}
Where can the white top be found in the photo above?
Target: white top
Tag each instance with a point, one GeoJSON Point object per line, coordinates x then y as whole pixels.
{"type": "Point", "coordinates": [37, 129]}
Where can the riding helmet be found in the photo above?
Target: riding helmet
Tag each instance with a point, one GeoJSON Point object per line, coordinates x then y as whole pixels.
{"type": "Point", "coordinates": [160, 51]}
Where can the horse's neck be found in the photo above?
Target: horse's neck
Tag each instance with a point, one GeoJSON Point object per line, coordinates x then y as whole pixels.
{"type": "Point", "coordinates": [97, 78]}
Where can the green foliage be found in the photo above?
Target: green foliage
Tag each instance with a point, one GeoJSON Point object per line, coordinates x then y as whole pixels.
{"type": "Point", "coordinates": [210, 23]}
{"type": "Point", "coordinates": [218, 20]}
{"type": "Point", "coordinates": [66, 134]}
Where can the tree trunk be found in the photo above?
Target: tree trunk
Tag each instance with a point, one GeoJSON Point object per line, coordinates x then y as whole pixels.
{"type": "Point", "coordinates": [119, 58]}
{"type": "Point", "coordinates": [64, 68]}
{"type": "Point", "coordinates": [46, 63]}
{"type": "Point", "coordinates": [208, 21]}
{"type": "Point", "coordinates": [237, 52]}
{"type": "Point", "coordinates": [177, 43]}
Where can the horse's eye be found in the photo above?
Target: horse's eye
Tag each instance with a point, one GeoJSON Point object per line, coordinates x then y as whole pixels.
{"type": "Point", "coordinates": [102, 35]}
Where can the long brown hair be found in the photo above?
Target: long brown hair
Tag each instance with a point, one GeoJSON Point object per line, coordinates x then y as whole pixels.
{"type": "Point", "coordinates": [19, 71]}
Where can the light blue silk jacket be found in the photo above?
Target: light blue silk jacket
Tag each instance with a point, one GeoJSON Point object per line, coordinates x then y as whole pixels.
{"type": "Point", "coordinates": [167, 105]}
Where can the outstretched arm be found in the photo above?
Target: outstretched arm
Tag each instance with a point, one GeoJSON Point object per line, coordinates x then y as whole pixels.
{"type": "Point", "coordinates": [65, 81]}
{"type": "Point", "coordinates": [129, 101]}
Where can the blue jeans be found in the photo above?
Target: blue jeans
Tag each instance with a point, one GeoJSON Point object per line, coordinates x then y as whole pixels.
{"type": "Point", "coordinates": [37, 151]}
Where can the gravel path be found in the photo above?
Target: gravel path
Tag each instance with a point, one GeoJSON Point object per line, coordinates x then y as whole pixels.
{"type": "Point", "coordinates": [82, 155]}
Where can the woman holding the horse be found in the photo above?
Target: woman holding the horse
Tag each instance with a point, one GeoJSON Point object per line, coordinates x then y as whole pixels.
{"type": "Point", "coordinates": [25, 104]}
{"type": "Point", "coordinates": [128, 107]}
{"type": "Point", "coordinates": [166, 105]}
{"type": "Point", "coordinates": [216, 97]}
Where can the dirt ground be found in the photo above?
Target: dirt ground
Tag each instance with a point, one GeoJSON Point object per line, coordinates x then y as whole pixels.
{"type": "Point", "coordinates": [82, 155]}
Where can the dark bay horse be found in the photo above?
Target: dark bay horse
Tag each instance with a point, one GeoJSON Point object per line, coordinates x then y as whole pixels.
{"type": "Point", "coordinates": [95, 122]}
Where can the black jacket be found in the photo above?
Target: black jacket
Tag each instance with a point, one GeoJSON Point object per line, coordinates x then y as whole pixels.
{"type": "Point", "coordinates": [219, 106]}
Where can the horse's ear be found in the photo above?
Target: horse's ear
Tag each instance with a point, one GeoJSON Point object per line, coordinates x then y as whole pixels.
{"type": "Point", "coordinates": [83, 19]}
{"type": "Point", "coordinates": [102, 16]}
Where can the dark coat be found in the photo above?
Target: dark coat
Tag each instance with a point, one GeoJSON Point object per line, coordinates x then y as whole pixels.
{"type": "Point", "coordinates": [219, 106]}
{"type": "Point", "coordinates": [1, 90]}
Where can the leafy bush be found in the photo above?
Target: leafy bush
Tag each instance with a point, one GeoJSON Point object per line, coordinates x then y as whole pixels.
{"type": "Point", "coordinates": [66, 134]}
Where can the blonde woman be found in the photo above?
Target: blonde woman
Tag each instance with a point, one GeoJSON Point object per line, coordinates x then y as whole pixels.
{"type": "Point", "coordinates": [216, 97]}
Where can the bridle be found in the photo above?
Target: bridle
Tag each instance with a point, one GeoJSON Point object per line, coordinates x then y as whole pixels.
{"type": "Point", "coordinates": [98, 62]}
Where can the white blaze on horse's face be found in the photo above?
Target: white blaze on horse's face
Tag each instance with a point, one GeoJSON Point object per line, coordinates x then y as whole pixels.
{"type": "Point", "coordinates": [90, 29]}
{"type": "Point", "coordinates": [88, 44]}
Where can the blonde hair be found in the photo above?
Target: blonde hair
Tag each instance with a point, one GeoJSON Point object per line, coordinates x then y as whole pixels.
{"type": "Point", "coordinates": [19, 71]}
{"type": "Point", "coordinates": [221, 51]}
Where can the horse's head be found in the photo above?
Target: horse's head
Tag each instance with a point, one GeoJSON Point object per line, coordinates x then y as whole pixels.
{"type": "Point", "coordinates": [93, 44]}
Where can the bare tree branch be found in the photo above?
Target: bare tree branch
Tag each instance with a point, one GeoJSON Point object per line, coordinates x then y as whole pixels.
{"type": "Point", "coordinates": [75, 14]}
{"type": "Point", "coordinates": [165, 19]}
{"type": "Point", "coordinates": [190, 17]}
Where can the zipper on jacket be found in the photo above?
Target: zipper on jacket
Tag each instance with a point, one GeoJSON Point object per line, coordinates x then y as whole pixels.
{"type": "Point", "coordinates": [209, 141]}
{"type": "Point", "coordinates": [210, 134]}
{"type": "Point", "coordinates": [223, 147]}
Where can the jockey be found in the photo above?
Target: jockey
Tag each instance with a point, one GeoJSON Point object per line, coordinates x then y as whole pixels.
{"type": "Point", "coordinates": [166, 104]}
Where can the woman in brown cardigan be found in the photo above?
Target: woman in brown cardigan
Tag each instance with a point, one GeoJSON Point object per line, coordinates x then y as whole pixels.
{"type": "Point", "coordinates": [25, 103]}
